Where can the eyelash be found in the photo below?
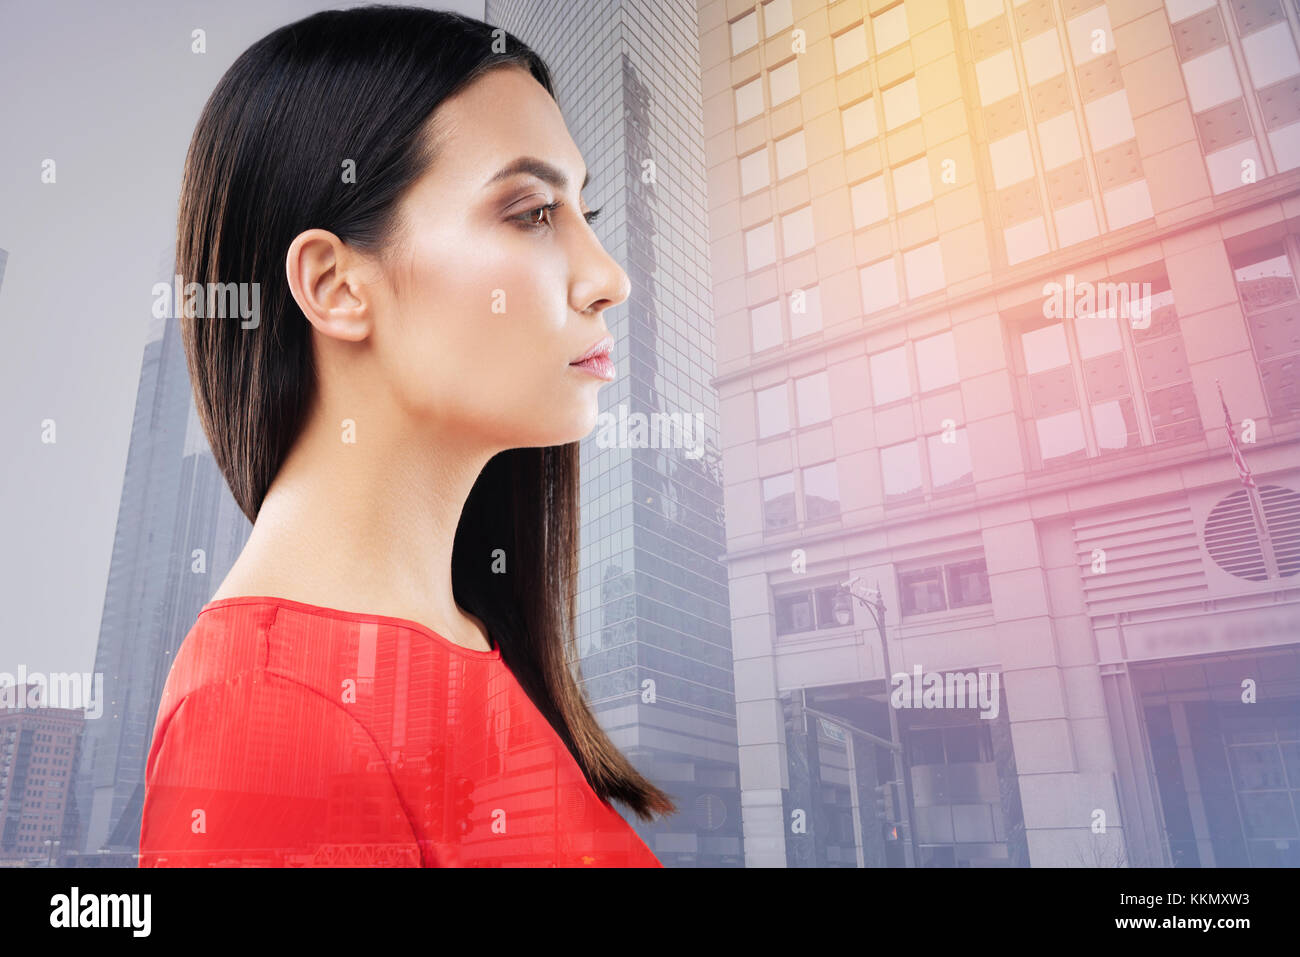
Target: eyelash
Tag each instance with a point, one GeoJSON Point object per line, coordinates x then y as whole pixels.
{"type": "Point", "coordinates": [590, 215]}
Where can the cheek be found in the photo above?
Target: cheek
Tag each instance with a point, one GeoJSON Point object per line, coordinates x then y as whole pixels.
{"type": "Point", "coordinates": [481, 344]}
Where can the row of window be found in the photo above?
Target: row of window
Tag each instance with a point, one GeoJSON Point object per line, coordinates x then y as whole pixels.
{"type": "Point", "coordinates": [930, 363]}
{"type": "Point", "coordinates": [1270, 58]}
{"type": "Point", "coordinates": [922, 274]}
{"type": "Point", "coordinates": [782, 85]}
{"type": "Point", "coordinates": [955, 744]}
{"type": "Point", "coordinates": [816, 500]}
{"type": "Point", "coordinates": [943, 586]}
{"type": "Point", "coordinates": [929, 465]}
{"type": "Point", "coordinates": [1264, 268]}
{"type": "Point", "coordinates": [889, 29]}
{"type": "Point", "coordinates": [1091, 384]}
{"type": "Point", "coordinates": [790, 153]}
{"type": "Point", "coordinates": [772, 326]}
{"type": "Point", "coordinates": [1101, 382]}
{"type": "Point", "coordinates": [1041, 118]}
{"type": "Point", "coordinates": [777, 16]}
{"type": "Point", "coordinates": [1217, 78]}
{"type": "Point", "coordinates": [899, 104]}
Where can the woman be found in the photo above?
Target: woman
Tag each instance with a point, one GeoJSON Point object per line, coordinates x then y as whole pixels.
{"type": "Point", "coordinates": [400, 422]}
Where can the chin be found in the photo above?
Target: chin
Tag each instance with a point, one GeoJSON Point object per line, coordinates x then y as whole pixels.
{"type": "Point", "coordinates": [585, 422]}
{"type": "Point", "coordinates": [562, 430]}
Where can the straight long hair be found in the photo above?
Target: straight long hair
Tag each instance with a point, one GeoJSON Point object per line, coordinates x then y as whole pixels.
{"type": "Point", "coordinates": [268, 160]}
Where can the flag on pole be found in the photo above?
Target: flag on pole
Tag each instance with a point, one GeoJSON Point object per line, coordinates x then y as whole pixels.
{"type": "Point", "coordinates": [1238, 459]}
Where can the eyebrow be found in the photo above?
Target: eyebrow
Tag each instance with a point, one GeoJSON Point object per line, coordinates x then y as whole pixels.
{"type": "Point", "coordinates": [531, 165]}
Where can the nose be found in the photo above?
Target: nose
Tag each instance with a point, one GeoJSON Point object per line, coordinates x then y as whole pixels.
{"type": "Point", "coordinates": [599, 281]}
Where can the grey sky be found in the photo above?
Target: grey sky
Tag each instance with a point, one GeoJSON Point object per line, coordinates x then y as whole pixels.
{"type": "Point", "coordinates": [111, 93]}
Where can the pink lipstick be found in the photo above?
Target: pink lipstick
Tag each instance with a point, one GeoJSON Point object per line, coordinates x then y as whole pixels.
{"type": "Point", "coordinates": [596, 360]}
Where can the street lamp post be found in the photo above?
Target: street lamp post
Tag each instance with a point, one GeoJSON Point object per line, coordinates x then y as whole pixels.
{"type": "Point", "coordinates": [873, 601]}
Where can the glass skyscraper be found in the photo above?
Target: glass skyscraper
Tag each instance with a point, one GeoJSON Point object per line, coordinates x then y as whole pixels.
{"type": "Point", "coordinates": [654, 620]}
{"type": "Point", "coordinates": [178, 533]}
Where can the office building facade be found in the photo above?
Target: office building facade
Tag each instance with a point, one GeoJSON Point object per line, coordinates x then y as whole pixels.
{"type": "Point", "coordinates": [986, 275]}
{"type": "Point", "coordinates": [39, 752]}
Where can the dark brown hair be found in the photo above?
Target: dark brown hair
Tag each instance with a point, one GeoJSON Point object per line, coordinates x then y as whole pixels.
{"type": "Point", "coordinates": [266, 163]}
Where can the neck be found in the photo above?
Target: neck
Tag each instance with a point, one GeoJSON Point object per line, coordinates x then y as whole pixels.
{"type": "Point", "coordinates": [362, 516]}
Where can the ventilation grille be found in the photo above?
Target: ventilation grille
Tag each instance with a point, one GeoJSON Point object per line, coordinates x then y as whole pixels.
{"type": "Point", "coordinates": [1233, 540]}
{"type": "Point", "coordinates": [1152, 556]}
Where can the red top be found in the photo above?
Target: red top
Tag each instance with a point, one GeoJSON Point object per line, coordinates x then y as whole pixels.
{"type": "Point", "coordinates": [294, 735]}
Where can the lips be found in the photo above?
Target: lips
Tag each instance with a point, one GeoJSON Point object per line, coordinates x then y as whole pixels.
{"type": "Point", "coordinates": [600, 347]}
{"type": "Point", "coordinates": [598, 365]}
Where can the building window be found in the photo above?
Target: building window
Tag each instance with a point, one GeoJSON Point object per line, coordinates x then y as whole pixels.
{"type": "Point", "coordinates": [957, 744]}
{"type": "Point", "coordinates": [923, 270]}
{"type": "Point", "coordinates": [901, 103]}
{"type": "Point", "coordinates": [996, 77]}
{"type": "Point", "coordinates": [949, 455]}
{"type": "Point", "coordinates": [821, 492]}
{"type": "Point", "coordinates": [791, 155]}
{"type": "Point", "coordinates": [805, 311]}
{"type": "Point", "coordinates": [850, 48]}
{"type": "Point", "coordinates": [912, 184]}
{"type": "Point", "coordinates": [968, 744]}
{"type": "Point", "coordinates": [1270, 54]}
{"type": "Point", "coordinates": [806, 610]}
{"type": "Point", "coordinates": [1098, 375]}
{"type": "Point", "coordinates": [936, 361]}
{"type": "Point", "coordinates": [1211, 79]}
{"type": "Point", "coordinates": [749, 100]}
{"type": "Point", "coordinates": [879, 282]}
{"type": "Point", "coordinates": [1012, 160]}
{"type": "Point", "coordinates": [1165, 374]}
{"type": "Point", "coordinates": [777, 15]}
{"type": "Point", "coordinates": [1266, 286]}
{"type": "Point", "coordinates": [890, 28]}
{"type": "Point", "coordinates": [968, 583]}
{"type": "Point", "coordinates": [1042, 55]}
{"type": "Point", "coordinates": [797, 231]}
{"type": "Point", "coordinates": [940, 587]}
{"type": "Point", "coordinates": [900, 468]}
{"type": "Point", "coordinates": [765, 324]}
{"type": "Point", "coordinates": [784, 81]}
{"type": "Point", "coordinates": [859, 123]}
{"type": "Point", "coordinates": [812, 396]}
{"type": "Point", "coordinates": [889, 378]}
{"type": "Point", "coordinates": [773, 410]}
{"type": "Point", "coordinates": [760, 246]}
{"type": "Point", "coordinates": [921, 591]}
{"type": "Point", "coordinates": [755, 171]}
{"type": "Point", "coordinates": [868, 201]}
{"type": "Point", "coordinates": [778, 502]}
{"type": "Point", "coordinates": [744, 33]}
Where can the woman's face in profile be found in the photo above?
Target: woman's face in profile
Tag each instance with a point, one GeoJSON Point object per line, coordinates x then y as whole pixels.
{"type": "Point", "coordinates": [487, 300]}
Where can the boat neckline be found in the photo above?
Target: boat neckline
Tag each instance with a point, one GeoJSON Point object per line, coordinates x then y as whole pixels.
{"type": "Point", "coordinates": [327, 612]}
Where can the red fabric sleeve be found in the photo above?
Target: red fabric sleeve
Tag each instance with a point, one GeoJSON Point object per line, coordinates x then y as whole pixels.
{"type": "Point", "coordinates": [261, 771]}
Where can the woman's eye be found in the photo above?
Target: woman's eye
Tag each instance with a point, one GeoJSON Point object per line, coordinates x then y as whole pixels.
{"type": "Point", "coordinates": [529, 218]}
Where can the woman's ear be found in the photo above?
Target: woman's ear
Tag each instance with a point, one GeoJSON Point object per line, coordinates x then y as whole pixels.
{"type": "Point", "coordinates": [325, 282]}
